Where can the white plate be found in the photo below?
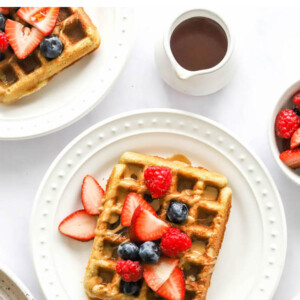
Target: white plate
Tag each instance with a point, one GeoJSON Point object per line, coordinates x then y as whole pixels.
{"type": "Point", "coordinates": [253, 252]}
{"type": "Point", "coordinates": [78, 89]}
{"type": "Point", "coordinates": [11, 288]}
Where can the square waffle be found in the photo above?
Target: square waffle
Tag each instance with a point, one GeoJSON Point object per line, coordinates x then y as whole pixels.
{"type": "Point", "coordinates": [20, 77]}
{"type": "Point", "coordinates": [209, 200]}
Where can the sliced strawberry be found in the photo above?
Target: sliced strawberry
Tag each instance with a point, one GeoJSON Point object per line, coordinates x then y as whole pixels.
{"type": "Point", "coordinates": [147, 227]}
{"type": "Point", "coordinates": [132, 235]}
{"type": "Point", "coordinates": [79, 225]}
{"type": "Point", "coordinates": [132, 201]}
{"type": "Point", "coordinates": [22, 39]}
{"type": "Point", "coordinates": [174, 287]}
{"type": "Point", "coordinates": [43, 18]}
{"type": "Point", "coordinates": [91, 195]}
{"type": "Point", "coordinates": [4, 10]}
{"type": "Point", "coordinates": [295, 140]}
{"type": "Point", "coordinates": [291, 158]}
{"type": "Point", "coordinates": [156, 275]}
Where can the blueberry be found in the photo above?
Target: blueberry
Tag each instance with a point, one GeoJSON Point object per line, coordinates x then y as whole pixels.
{"type": "Point", "coordinates": [148, 198]}
{"type": "Point", "coordinates": [177, 212]}
{"type": "Point", "coordinates": [51, 46]}
{"type": "Point", "coordinates": [2, 56]}
{"type": "Point", "coordinates": [296, 111]}
{"type": "Point", "coordinates": [130, 288]}
{"type": "Point", "coordinates": [2, 22]}
{"type": "Point", "coordinates": [149, 252]}
{"type": "Point", "coordinates": [128, 251]}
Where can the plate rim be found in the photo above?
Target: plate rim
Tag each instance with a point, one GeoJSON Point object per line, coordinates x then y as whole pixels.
{"type": "Point", "coordinates": [97, 99]}
{"type": "Point", "coordinates": [171, 111]}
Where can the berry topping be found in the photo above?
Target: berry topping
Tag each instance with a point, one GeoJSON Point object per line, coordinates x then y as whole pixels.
{"type": "Point", "coordinates": [3, 42]}
{"type": "Point", "coordinates": [156, 275]}
{"type": "Point", "coordinates": [128, 251]}
{"type": "Point", "coordinates": [131, 288]}
{"type": "Point", "coordinates": [51, 46]}
{"type": "Point", "coordinates": [148, 227]}
{"type": "Point", "coordinates": [174, 287]}
{"type": "Point", "coordinates": [296, 111]}
{"type": "Point", "coordinates": [129, 270]}
{"type": "Point", "coordinates": [4, 10]}
{"type": "Point", "coordinates": [174, 242]}
{"type": "Point", "coordinates": [287, 122]}
{"type": "Point", "coordinates": [22, 39]}
{"type": "Point", "coordinates": [91, 195]}
{"type": "Point", "coordinates": [132, 201]}
{"type": "Point", "coordinates": [158, 180]}
{"type": "Point", "coordinates": [2, 22]}
{"type": "Point", "coordinates": [291, 158]}
{"type": "Point", "coordinates": [296, 100]}
{"type": "Point", "coordinates": [149, 253]}
{"type": "Point", "coordinates": [43, 18]}
{"type": "Point", "coordinates": [177, 212]}
{"type": "Point", "coordinates": [79, 225]}
{"type": "Point", "coordinates": [295, 140]}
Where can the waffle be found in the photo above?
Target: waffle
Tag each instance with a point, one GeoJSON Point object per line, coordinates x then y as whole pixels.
{"type": "Point", "coordinates": [209, 201]}
{"type": "Point", "coordinates": [19, 78]}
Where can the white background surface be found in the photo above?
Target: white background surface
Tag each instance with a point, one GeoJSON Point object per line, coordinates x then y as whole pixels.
{"type": "Point", "coordinates": [268, 41]}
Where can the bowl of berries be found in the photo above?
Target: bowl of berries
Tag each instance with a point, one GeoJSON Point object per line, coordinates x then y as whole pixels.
{"type": "Point", "coordinates": [284, 132]}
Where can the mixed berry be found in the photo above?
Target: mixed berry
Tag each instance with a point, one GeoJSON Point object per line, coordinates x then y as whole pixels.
{"type": "Point", "coordinates": [287, 127]}
{"type": "Point", "coordinates": [24, 39]}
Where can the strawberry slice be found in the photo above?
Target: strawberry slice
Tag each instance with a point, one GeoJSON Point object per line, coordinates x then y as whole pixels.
{"type": "Point", "coordinates": [4, 10]}
{"type": "Point", "coordinates": [295, 140]}
{"type": "Point", "coordinates": [22, 39]}
{"type": "Point", "coordinates": [79, 226]}
{"type": "Point", "coordinates": [43, 18]}
{"type": "Point", "coordinates": [291, 158]}
{"type": "Point", "coordinates": [147, 227]}
{"type": "Point", "coordinates": [174, 287]}
{"type": "Point", "coordinates": [156, 275]}
{"type": "Point", "coordinates": [91, 195]}
{"type": "Point", "coordinates": [132, 201]}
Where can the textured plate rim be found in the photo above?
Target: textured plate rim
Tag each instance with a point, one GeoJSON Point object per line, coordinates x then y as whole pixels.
{"type": "Point", "coordinates": [197, 118]}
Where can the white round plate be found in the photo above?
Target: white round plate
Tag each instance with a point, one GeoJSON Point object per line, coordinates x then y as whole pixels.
{"type": "Point", "coordinates": [253, 253]}
{"type": "Point", "coordinates": [78, 89]}
{"type": "Point", "coordinates": [11, 288]}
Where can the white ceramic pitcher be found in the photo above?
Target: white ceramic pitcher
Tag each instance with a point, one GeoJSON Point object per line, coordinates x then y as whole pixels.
{"type": "Point", "coordinates": [197, 83]}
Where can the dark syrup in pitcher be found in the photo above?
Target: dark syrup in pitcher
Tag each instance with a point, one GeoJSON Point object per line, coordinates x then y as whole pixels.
{"type": "Point", "coordinates": [198, 43]}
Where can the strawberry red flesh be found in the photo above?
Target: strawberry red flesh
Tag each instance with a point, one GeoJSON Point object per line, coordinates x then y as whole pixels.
{"type": "Point", "coordinates": [22, 39]}
{"type": "Point", "coordinates": [295, 140]}
{"type": "Point", "coordinates": [79, 225]}
{"type": "Point", "coordinates": [4, 10]}
{"type": "Point", "coordinates": [91, 195]}
{"type": "Point", "coordinates": [43, 18]}
{"type": "Point", "coordinates": [132, 201]}
{"type": "Point", "coordinates": [156, 275]}
{"type": "Point", "coordinates": [291, 158]}
{"type": "Point", "coordinates": [147, 227]}
{"type": "Point", "coordinates": [174, 287]}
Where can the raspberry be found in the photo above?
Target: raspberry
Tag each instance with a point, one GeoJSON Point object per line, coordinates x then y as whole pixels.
{"type": "Point", "coordinates": [296, 100]}
{"type": "Point", "coordinates": [3, 42]}
{"type": "Point", "coordinates": [174, 242]}
{"type": "Point", "coordinates": [158, 180]}
{"type": "Point", "coordinates": [287, 122]}
{"type": "Point", "coordinates": [129, 270]}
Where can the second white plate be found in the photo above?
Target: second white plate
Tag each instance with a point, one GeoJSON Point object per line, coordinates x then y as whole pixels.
{"type": "Point", "coordinates": [253, 252]}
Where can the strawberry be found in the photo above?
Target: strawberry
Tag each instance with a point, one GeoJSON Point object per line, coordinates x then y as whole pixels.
{"type": "Point", "coordinates": [295, 140]}
{"type": "Point", "coordinates": [132, 201]}
{"type": "Point", "coordinates": [4, 10]}
{"type": "Point", "coordinates": [291, 158]}
{"type": "Point", "coordinates": [91, 195]}
{"type": "Point", "coordinates": [79, 226]}
{"type": "Point", "coordinates": [174, 287]}
{"type": "Point", "coordinates": [156, 275]}
{"type": "Point", "coordinates": [147, 227]}
{"type": "Point", "coordinates": [22, 39]}
{"type": "Point", "coordinates": [43, 18]}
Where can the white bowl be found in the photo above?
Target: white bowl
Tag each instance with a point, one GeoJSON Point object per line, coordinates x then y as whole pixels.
{"type": "Point", "coordinates": [285, 101]}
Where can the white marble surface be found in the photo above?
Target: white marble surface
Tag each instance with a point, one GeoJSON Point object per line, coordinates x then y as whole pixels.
{"type": "Point", "coordinates": [268, 41]}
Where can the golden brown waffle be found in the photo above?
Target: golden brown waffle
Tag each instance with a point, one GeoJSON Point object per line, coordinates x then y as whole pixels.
{"type": "Point", "coordinates": [19, 78]}
{"type": "Point", "coordinates": [209, 201]}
